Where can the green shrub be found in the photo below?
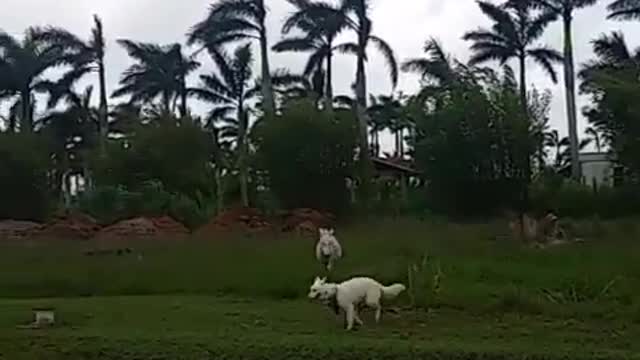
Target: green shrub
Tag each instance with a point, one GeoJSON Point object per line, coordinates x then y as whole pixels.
{"type": "Point", "coordinates": [24, 193]}
{"type": "Point", "coordinates": [109, 204]}
{"type": "Point", "coordinates": [552, 192]}
{"type": "Point", "coordinates": [308, 156]}
{"type": "Point", "coordinates": [177, 156]}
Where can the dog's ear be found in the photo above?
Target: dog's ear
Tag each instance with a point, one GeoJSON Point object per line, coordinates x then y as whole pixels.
{"type": "Point", "coordinates": [331, 231]}
{"type": "Point", "coordinates": [323, 280]}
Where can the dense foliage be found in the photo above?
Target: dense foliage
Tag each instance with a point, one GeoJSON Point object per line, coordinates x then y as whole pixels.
{"type": "Point", "coordinates": [23, 177]}
{"type": "Point", "coordinates": [478, 137]}
{"type": "Point", "coordinates": [308, 156]}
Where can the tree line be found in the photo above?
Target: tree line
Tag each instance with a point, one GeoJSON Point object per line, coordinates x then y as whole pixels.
{"type": "Point", "coordinates": [468, 123]}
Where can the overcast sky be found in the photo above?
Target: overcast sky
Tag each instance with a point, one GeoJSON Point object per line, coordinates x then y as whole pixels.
{"type": "Point", "coordinates": [405, 24]}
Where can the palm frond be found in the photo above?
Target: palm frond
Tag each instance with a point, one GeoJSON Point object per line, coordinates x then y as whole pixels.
{"type": "Point", "coordinates": [389, 56]}
{"type": "Point", "coordinates": [624, 10]}
{"type": "Point", "coordinates": [296, 44]}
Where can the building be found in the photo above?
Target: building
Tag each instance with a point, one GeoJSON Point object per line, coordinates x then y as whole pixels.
{"type": "Point", "coordinates": [597, 168]}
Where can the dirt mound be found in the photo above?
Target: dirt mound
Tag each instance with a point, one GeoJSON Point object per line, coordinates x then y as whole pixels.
{"type": "Point", "coordinates": [238, 219]}
{"type": "Point", "coordinates": [69, 225]}
{"type": "Point", "coordinates": [144, 228]}
{"type": "Point", "coordinates": [306, 220]}
{"type": "Point", "coordinates": [167, 226]}
{"type": "Point", "coordinates": [132, 229]}
{"type": "Point", "coordinates": [18, 230]}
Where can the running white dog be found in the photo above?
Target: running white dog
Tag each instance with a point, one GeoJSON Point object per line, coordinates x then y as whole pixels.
{"type": "Point", "coordinates": [351, 293]}
{"type": "Point", "coordinates": [328, 249]}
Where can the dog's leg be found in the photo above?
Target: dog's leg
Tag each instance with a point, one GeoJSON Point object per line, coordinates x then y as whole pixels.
{"type": "Point", "coordinates": [378, 313]}
{"type": "Point", "coordinates": [357, 318]}
{"type": "Point", "coordinates": [350, 315]}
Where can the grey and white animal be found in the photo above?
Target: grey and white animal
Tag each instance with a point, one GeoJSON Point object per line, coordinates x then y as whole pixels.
{"type": "Point", "coordinates": [328, 249]}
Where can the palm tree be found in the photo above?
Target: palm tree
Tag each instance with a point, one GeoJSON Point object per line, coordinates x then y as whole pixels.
{"type": "Point", "coordinates": [22, 64]}
{"type": "Point", "coordinates": [357, 13]}
{"type": "Point", "coordinates": [554, 141]}
{"type": "Point", "coordinates": [232, 20]}
{"type": "Point", "coordinates": [612, 53]}
{"type": "Point", "coordinates": [437, 66]}
{"type": "Point", "coordinates": [160, 71]}
{"type": "Point", "coordinates": [288, 86]}
{"type": "Point", "coordinates": [594, 136]}
{"type": "Point", "coordinates": [386, 112]}
{"type": "Point", "coordinates": [72, 132]}
{"type": "Point", "coordinates": [320, 24]}
{"type": "Point", "coordinates": [565, 10]}
{"type": "Point", "coordinates": [624, 10]}
{"type": "Point", "coordinates": [231, 88]}
{"type": "Point", "coordinates": [84, 57]}
{"type": "Point", "coordinates": [513, 35]}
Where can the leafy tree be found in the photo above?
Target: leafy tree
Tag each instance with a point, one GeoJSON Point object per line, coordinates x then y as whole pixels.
{"type": "Point", "coordinates": [320, 24]}
{"type": "Point", "coordinates": [473, 147]}
{"type": "Point", "coordinates": [624, 10]}
{"type": "Point", "coordinates": [315, 147]}
{"type": "Point", "coordinates": [234, 20]}
{"type": "Point", "coordinates": [565, 9]}
{"type": "Point", "coordinates": [160, 71]}
{"type": "Point", "coordinates": [84, 57]}
{"type": "Point", "coordinates": [611, 81]}
{"type": "Point", "coordinates": [22, 65]}
{"type": "Point", "coordinates": [232, 89]}
{"type": "Point", "coordinates": [175, 155]}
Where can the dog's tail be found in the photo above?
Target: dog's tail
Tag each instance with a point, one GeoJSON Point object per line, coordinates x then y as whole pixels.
{"type": "Point", "coordinates": [390, 292]}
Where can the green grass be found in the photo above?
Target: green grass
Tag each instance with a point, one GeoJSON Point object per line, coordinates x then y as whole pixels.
{"type": "Point", "coordinates": [472, 296]}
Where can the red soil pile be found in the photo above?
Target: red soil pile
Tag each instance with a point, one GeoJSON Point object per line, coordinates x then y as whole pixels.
{"type": "Point", "coordinates": [131, 229]}
{"type": "Point", "coordinates": [142, 228]}
{"type": "Point", "coordinates": [69, 226]}
{"type": "Point", "coordinates": [306, 220]}
{"type": "Point", "coordinates": [238, 219]}
{"type": "Point", "coordinates": [169, 227]}
{"type": "Point", "coordinates": [18, 230]}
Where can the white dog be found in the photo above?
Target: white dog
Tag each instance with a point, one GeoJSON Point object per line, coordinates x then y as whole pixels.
{"type": "Point", "coordinates": [328, 249]}
{"type": "Point", "coordinates": [351, 293]}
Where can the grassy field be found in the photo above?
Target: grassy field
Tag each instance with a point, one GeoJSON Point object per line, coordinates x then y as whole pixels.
{"type": "Point", "coordinates": [473, 294]}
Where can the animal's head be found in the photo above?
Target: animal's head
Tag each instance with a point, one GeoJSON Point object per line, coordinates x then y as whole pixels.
{"type": "Point", "coordinates": [317, 289]}
{"type": "Point", "coordinates": [326, 233]}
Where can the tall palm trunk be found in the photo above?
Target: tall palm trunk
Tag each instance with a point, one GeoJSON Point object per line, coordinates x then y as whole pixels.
{"type": "Point", "coordinates": [242, 155]}
{"type": "Point", "coordinates": [104, 116]}
{"type": "Point", "coordinates": [26, 123]}
{"type": "Point", "coordinates": [328, 94]}
{"type": "Point", "coordinates": [183, 99]}
{"type": "Point", "coordinates": [523, 84]}
{"type": "Point", "coordinates": [366, 166]}
{"type": "Point", "coordinates": [525, 110]}
{"type": "Point", "coordinates": [267, 86]}
{"type": "Point", "coordinates": [570, 90]}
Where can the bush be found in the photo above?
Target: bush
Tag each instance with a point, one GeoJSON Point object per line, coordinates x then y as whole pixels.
{"type": "Point", "coordinates": [177, 156]}
{"type": "Point", "coordinates": [109, 204]}
{"type": "Point", "coordinates": [308, 157]}
{"type": "Point", "coordinates": [24, 192]}
{"type": "Point", "coordinates": [552, 192]}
